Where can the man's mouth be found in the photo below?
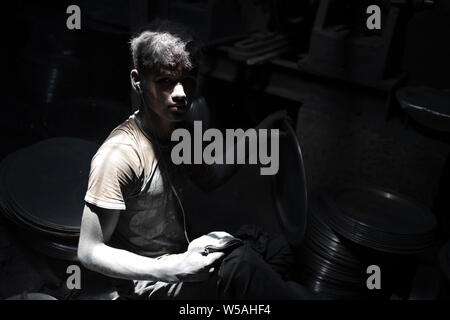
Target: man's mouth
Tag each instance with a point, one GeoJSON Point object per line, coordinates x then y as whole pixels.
{"type": "Point", "coordinates": [178, 107]}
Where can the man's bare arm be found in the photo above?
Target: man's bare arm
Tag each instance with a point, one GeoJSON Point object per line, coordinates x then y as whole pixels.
{"type": "Point", "coordinates": [96, 229]}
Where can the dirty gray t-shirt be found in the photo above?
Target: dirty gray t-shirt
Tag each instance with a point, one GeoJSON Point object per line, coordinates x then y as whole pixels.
{"type": "Point", "coordinates": [129, 174]}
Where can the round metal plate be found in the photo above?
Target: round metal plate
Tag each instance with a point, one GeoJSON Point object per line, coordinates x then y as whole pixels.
{"type": "Point", "coordinates": [46, 182]}
{"type": "Point", "coordinates": [379, 219]}
{"type": "Point", "coordinates": [289, 187]}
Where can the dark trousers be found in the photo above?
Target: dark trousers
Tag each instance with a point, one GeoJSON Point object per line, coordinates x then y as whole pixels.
{"type": "Point", "coordinates": [243, 274]}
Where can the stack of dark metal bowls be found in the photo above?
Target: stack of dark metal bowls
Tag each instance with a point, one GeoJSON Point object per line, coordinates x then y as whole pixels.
{"type": "Point", "coordinates": [351, 228]}
{"type": "Point", "coordinates": [41, 193]}
{"type": "Point", "coordinates": [379, 219]}
{"type": "Point", "coordinates": [330, 268]}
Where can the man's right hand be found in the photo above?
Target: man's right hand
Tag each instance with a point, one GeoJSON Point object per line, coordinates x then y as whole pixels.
{"type": "Point", "coordinates": [192, 265]}
{"type": "Point", "coordinates": [93, 252]}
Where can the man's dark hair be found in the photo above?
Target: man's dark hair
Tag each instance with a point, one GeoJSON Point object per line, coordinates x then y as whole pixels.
{"type": "Point", "coordinates": [165, 44]}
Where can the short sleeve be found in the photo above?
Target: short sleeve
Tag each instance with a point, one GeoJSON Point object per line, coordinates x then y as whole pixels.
{"type": "Point", "coordinates": [114, 168]}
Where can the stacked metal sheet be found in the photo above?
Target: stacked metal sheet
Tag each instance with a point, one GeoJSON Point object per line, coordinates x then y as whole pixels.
{"type": "Point", "coordinates": [380, 219]}
{"type": "Point", "coordinates": [41, 193]}
{"type": "Point", "coordinates": [351, 228]}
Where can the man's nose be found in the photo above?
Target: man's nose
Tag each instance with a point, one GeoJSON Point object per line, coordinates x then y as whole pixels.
{"type": "Point", "coordinates": [178, 94]}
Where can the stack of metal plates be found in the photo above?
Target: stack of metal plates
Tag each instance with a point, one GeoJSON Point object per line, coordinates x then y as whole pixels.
{"type": "Point", "coordinates": [380, 219]}
{"type": "Point", "coordinates": [330, 267]}
{"type": "Point", "coordinates": [41, 193]}
{"type": "Point", "coordinates": [351, 228]}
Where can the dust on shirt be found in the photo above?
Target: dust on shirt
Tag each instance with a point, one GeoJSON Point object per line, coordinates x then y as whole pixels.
{"type": "Point", "coordinates": [130, 173]}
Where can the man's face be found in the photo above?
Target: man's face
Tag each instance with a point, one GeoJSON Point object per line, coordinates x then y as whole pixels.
{"type": "Point", "coordinates": [170, 92]}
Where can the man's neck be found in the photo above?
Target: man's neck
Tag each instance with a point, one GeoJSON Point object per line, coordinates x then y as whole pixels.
{"type": "Point", "coordinates": [155, 126]}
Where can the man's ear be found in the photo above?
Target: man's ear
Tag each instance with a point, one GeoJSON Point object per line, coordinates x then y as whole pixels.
{"type": "Point", "coordinates": [134, 77]}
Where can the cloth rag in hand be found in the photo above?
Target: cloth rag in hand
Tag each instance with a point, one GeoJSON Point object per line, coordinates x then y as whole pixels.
{"type": "Point", "coordinates": [216, 241]}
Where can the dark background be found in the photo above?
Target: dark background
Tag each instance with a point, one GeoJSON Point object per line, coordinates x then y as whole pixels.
{"type": "Point", "coordinates": [61, 82]}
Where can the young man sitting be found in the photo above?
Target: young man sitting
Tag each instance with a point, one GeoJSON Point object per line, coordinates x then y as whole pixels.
{"type": "Point", "coordinates": [133, 225]}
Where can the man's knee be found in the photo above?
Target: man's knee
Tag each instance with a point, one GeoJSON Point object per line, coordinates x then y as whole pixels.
{"type": "Point", "coordinates": [241, 264]}
{"type": "Point", "coordinates": [242, 257]}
